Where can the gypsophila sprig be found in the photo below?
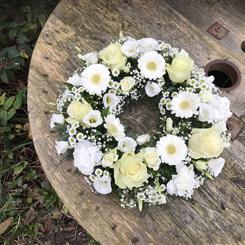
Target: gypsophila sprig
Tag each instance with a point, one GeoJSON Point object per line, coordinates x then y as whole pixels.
{"type": "Point", "coordinates": [143, 170]}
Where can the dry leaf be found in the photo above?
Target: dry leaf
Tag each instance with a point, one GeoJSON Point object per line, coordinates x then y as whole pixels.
{"type": "Point", "coordinates": [5, 224]}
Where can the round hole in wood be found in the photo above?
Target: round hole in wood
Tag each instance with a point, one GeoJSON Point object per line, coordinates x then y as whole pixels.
{"type": "Point", "coordinates": [243, 46]}
{"type": "Point", "coordinates": [226, 75]}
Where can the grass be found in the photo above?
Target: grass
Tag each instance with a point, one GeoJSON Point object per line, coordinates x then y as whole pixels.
{"type": "Point", "coordinates": [30, 210]}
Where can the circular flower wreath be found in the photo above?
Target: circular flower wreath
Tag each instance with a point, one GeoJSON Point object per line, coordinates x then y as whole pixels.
{"type": "Point", "coordinates": [143, 171]}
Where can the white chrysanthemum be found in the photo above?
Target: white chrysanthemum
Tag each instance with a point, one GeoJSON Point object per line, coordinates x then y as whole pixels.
{"type": "Point", "coordinates": [151, 65]}
{"type": "Point", "coordinates": [172, 149]}
{"type": "Point", "coordinates": [61, 147]}
{"type": "Point", "coordinates": [130, 48]}
{"type": "Point", "coordinates": [183, 183]}
{"type": "Point", "coordinates": [152, 89]}
{"type": "Point", "coordinates": [147, 44]}
{"type": "Point", "coordinates": [93, 119]}
{"type": "Point", "coordinates": [89, 58]}
{"type": "Point", "coordinates": [86, 155]}
{"type": "Point", "coordinates": [215, 166]}
{"type": "Point", "coordinates": [75, 80]}
{"type": "Point", "coordinates": [56, 118]}
{"type": "Point", "coordinates": [142, 139]}
{"type": "Point", "coordinates": [103, 184]}
{"type": "Point", "coordinates": [185, 104]}
{"type": "Point", "coordinates": [95, 78]}
{"type": "Point", "coordinates": [127, 144]}
{"type": "Point", "coordinates": [114, 127]}
{"type": "Point", "coordinates": [110, 100]}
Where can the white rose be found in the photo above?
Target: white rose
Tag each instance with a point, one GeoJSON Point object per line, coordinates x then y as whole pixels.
{"type": "Point", "coordinates": [89, 58]}
{"type": "Point", "coordinates": [56, 118]}
{"type": "Point", "coordinates": [86, 155]}
{"type": "Point", "coordinates": [61, 147]}
{"type": "Point", "coordinates": [127, 144]}
{"type": "Point", "coordinates": [109, 158]}
{"type": "Point", "coordinates": [152, 89]}
{"type": "Point", "coordinates": [103, 185]}
{"type": "Point", "coordinates": [142, 139]}
{"type": "Point", "coordinates": [127, 84]}
{"type": "Point", "coordinates": [151, 157]}
{"type": "Point", "coordinates": [215, 166]}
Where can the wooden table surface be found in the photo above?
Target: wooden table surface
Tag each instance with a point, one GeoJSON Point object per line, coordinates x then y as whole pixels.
{"type": "Point", "coordinates": [216, 213]}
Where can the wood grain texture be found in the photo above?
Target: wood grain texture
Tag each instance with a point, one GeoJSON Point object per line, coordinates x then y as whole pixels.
{"type": "Point", "coordinates": [216, 213]}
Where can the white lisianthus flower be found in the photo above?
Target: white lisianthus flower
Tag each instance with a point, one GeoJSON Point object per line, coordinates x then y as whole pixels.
{"type": "Point", "coordinates": [152, 89]}
{"type": "Point", "coordinates": [172, 149]}
{"type": "Point", "coordinates": [127, 144]}
{"type": "Point", "coordinates": [215, 166]}
{"type": "Point", "coordinates": [183, 183]}
{"type": "Point", "coordinates": [61, 147]}
{"type": "Point", "coordinates": [86, 155]}
{"type": "Point", "coordinates": [89, 58]}
{"type": "Point", "coordinates": [114, 127]}
{"type": "Point", "coordinates": [93, 119]}
{"type": "Point", "coordinates": [206, 113]}
{"type": "Point", "coordinates": [103, 184]}
{"type": "Point", "coordinates": [110, 100]}
{"type": "Point", "coordinates": [185, 104]}
{"type": "Point", "coordinates": [151, 65]}
{"type": "Point", "coordinates": [95, 78]}
{"type": "Point", "coordinates": [142, 139]}
{"type": "Point", "coordinates": [56, 118]}
{"type": "Point", "coordinates": [147, 44]}
{"type": "Point", "coordinates": [151, 157]}
{"type": "Point", "coordinates": [130, 48]}
{"type": "Point", "coordinates": [75, 80]}
{"type": "Point", "coordinates": [109, 158]}
{"type": "Point", "coordinates": [127, 84]}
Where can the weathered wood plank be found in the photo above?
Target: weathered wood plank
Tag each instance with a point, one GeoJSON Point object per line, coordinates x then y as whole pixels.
{"type": "Point", "coordinates": [216, 213]}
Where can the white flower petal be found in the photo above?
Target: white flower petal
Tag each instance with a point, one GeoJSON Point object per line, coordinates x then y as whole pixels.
{"type": "Point", "coordinates": [56, 118]}
{"type": "Point", "coordinates": [152, 89]}
{"type": "Point", "coordinates": [114, 127]}
{"type": "Point", "coordinates": [89, 58]}
{"type": "Point", "coordinates": [127, 144]}
{"type": "Point", "coordinates": [215, 166]}
{"type": "Point", "coordinates": [93, 119]}
{"type": "Point", "coordinates": [103, 185]}
{"type": "Point", "coordinates": [75, 80]}
{"type": "Point", "coordinates": [110, 100]}
{"type": "Point", "coordinates": [142, 139]}
{"type": "Point", "coordinates": [61, 147]}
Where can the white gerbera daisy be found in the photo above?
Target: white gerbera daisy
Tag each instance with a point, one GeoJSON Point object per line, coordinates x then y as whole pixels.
{"type": "Point", "coordinates": [110, 100]}
{"type": "Point", "coordinates": [151, 65]}
{"type": "Point", "coordinates": [130, 48]}
{"type": "Point", "coordinates": [185, 104]}
{"type": "Point", "coordinates": [114, 127]}
{"type": "Point", "coordinates": [95, 78]}
{"type": "Point", "coordinates": [93, 119]}
{"type": "Point", "coordinates": [172, 149]}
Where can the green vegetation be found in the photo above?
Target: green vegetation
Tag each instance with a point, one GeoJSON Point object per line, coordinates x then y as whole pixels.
{"type": "Point", "coordinates": [30, 211]}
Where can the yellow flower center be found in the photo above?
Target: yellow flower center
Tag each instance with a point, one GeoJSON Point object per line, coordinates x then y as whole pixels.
{"type": "Point", "coordinates": [184, 105]}
{"type": "Point", "coordinates": [152, 66]}
{"type": "Point", "coordinates": [96, 78]}
{"type": "Point", "coordinates": [171, 149]}
{"type": "Point", "coordinates": [92, 120]}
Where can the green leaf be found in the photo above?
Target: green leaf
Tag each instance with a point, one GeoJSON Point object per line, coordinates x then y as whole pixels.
{"type": "Point", "coordinates": [18, 101]}
{"type": "Point", "coordinates": [3, 76]}
{"type": "Point", "coordinates": [9, 102]}
{"type": "Point", "coordinates": [19, 168]}
{"type": "Point", "coordinates": [4, 117]}
{"type": "Point", "coordinates": [13, 33]}
{"type": "Point", "coordinates": [23, 54]}
{"type": "Point", "coordinates": [2, 98]}
{"type": "Point", "coordinates": [11, 113]}
{"type": "Point", "coordinates": [41, 19]}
